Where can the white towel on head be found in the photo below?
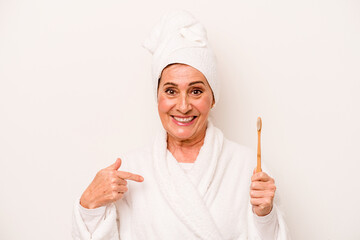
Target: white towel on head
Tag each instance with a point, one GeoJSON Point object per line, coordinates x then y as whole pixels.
{"type": "Point", "coordinates": [180, 38]}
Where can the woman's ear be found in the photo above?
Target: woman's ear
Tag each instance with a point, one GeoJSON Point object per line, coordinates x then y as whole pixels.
{"type": "Point", "coordinates": [213, 99]}
{"type": "Point", "coordinates": [158, 84]}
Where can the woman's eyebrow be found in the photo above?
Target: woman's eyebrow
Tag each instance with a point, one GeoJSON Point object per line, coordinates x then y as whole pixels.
{"type": "Point", "coordinates": [190, 84]}
{"type": "Point", "coordinates": [170, 83]}
{"type": "Point", "coordinates": [193, 83]}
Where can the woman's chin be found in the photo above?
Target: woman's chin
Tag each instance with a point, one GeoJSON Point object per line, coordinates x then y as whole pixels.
{"type": "Point", "coordinates": [182, 135]}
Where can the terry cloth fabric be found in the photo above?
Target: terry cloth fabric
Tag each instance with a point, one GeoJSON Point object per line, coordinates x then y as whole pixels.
{"type": "Point", "coordinates": [180, 38]}
{"type": "Point", "coordinates": [211, 201]}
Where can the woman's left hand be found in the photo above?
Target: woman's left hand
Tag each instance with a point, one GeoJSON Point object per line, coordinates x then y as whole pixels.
{"type": "Point", "coordinates": [262, 192]}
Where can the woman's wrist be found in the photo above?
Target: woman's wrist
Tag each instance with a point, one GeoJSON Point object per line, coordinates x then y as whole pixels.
{"type": "Point", "coordinates": [86, 203]}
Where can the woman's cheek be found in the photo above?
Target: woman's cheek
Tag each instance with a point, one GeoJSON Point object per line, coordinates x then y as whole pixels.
{"type": "Point", "coordinates": [165, 104]}
{"type": "Point", "coordinates": [204, 105]}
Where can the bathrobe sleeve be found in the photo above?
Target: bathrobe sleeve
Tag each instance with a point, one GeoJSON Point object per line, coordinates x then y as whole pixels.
{"type": "Point", "coordinates": [257, 228]}
{"type": "Point", "coordinates": [267, 226]}
{"type": "Point", "coordinates": [106, 228]}
{"type": "Point", "coordinates": [92, 217]}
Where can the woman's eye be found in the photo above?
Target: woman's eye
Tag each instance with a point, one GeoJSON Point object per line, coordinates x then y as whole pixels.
{"type": "Point", "coordinates": [170, 91]}
{"type": "Point", "coordinates": [196, 92]}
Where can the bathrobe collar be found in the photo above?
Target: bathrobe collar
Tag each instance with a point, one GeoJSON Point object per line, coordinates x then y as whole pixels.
{"type": "Point", "coordinates": [187, 194]}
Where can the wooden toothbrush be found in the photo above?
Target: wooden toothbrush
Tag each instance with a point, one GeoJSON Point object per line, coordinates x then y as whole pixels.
{"type": "Point", "coordinates": [259, 125]}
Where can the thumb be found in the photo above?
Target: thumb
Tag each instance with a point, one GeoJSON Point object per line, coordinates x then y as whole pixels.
{"type": "Point", "coordinates": [116, 165]}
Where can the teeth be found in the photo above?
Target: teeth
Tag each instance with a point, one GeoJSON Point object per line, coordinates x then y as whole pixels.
{"type": "Point", "coordinates": [184, 120]}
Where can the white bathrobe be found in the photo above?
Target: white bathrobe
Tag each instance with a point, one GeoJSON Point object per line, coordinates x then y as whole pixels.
{"type": "Point", "coordinates": [211, 201]}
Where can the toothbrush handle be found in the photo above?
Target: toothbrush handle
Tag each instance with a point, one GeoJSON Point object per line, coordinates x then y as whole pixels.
{"type": "Point", "coordinates": [258, 167]}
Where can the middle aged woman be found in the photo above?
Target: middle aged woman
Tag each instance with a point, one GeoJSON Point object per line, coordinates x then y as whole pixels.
{"type": "Point", "coordinates": [193, 183]}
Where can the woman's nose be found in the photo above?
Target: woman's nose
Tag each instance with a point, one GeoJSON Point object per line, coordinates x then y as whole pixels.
{"type": "Point", "coordinates": [184, 105]}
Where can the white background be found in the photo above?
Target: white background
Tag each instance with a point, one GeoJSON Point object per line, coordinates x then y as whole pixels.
{"type": "Point", "coordinates": [75, 93]}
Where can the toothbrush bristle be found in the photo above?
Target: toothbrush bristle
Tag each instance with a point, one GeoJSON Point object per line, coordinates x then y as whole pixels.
{"type": "Point", "coordinates": [258, 124]}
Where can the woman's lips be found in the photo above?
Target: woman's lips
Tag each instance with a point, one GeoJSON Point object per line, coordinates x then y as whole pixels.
{"type": "Point", "coordinates": [183, 121]}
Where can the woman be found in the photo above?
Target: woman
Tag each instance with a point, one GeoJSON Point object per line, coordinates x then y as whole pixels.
{"type": "Point", "coordinates": [193, 183]}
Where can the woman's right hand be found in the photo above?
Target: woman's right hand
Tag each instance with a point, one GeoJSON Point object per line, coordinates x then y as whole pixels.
{"type": "Point", "coordinates": [109, 185]}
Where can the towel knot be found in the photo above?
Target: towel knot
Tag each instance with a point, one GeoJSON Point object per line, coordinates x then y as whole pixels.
{"type": "Point", "coordinates": [195, 33]}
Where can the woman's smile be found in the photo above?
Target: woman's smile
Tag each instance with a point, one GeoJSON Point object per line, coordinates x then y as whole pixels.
{"type": "Point", "coordinates": [184, 121]}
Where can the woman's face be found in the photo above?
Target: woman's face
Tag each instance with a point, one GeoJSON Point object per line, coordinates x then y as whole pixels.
{"type": "Point", "coordinates": [184, 102]}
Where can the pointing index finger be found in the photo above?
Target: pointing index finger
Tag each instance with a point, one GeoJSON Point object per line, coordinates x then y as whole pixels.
{"type": "Point", "coordinates": [130, 176]}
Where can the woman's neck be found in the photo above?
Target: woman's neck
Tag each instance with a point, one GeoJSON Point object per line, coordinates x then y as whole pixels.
{"type": "Point", "coordinates": [185, 151]}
